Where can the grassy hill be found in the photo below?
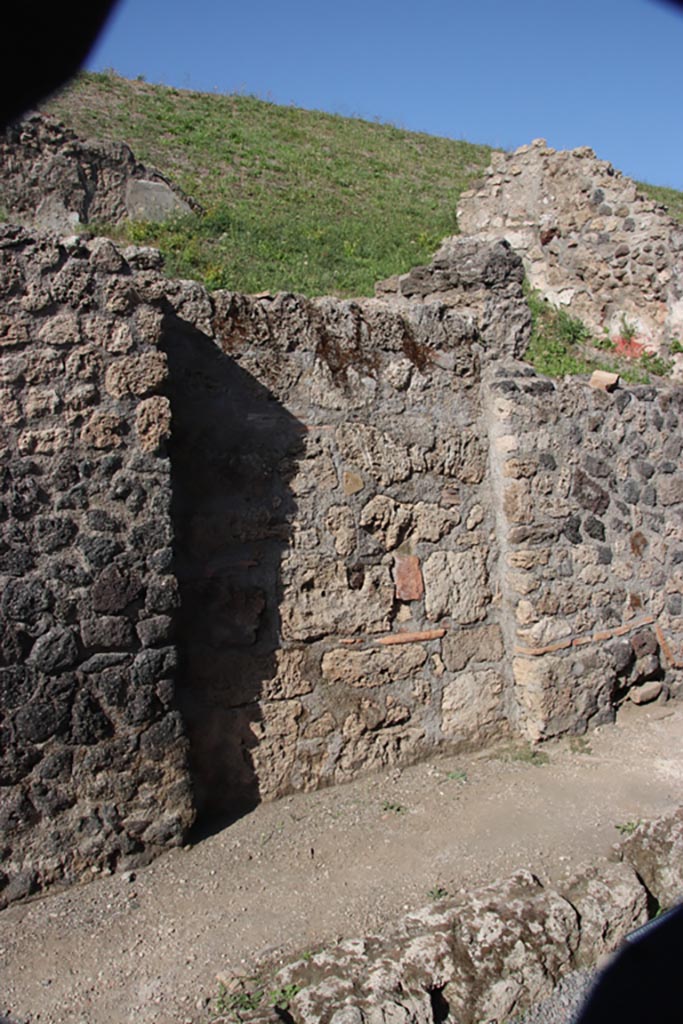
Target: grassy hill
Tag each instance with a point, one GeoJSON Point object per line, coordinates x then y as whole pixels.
{"type": "Point", "coordinates": [295, 200]}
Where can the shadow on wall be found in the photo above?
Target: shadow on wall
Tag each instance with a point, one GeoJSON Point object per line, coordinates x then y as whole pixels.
{"type": "Point", "coordinates": [234, 449]}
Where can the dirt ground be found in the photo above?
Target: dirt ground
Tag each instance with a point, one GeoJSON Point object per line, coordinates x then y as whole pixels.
{"type": "Point", "coordinates": [300, 873]}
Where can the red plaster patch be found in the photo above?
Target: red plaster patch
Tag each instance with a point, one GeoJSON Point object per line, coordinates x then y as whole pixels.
{"type": "Point", "coordinates": [629, 348]}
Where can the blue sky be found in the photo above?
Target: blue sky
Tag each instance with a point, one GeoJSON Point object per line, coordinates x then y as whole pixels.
{"type": "Point", "coordinates": [603, 73]}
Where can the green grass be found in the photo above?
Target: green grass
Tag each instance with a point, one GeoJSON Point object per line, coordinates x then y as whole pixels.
{"type": "Point", "coordinates": [557, 339]}
{"type": "Point", "coordinates": [294, 200]}
{"type": "Point", "coordinates": [627, 828]}
{"type": "Point", "coordinates": [579, 745]}
{"type": "Point", "coordinates": [561, 344]}
{"type": "Point", "coordinates": [280, 998]}
{"type": "Point", "coordinates": [522, 752]}
{"type": "Point", "coordinates": [668, 197]}
{"type": "Point", "coordinates": [393, 808]}
{"type": "Point", "coordinates": [234, 1004]}
{"type": "Point", "coordinates": [304, 201]}
{"type": "Point", "coordinates": [244, 1001]}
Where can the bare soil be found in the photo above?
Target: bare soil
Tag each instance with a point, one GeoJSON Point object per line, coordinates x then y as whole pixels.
{"type": "Point", "coordinates": [300, 873]}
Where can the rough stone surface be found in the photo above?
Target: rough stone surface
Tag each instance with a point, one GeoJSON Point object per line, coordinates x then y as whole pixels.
{"type": "Point", "coordinates": [587, 572]}
{"type": "Point", "coordinates": [335, 489]}
{"type": "Point", "coordinates": [473, 705]}
{"type": "Point", "coordinates": [482, 281]}
{"type": "Point", "coordinates": [487, 955]}
{"type": "Point", "coordinates": [456, 586]}
{"type": "Point", "coordinates": [302, 539]}
{"type": "Point", "coordinates": [655, 850]}
{"type": "Point", "coordinates": [589, 240]}
{"type": "Point", "coordinates": [55, 181]}
{"type": "Point", "coordinates": [93, 763]}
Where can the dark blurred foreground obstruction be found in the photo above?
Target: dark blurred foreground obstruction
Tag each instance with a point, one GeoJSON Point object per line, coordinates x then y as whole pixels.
{"type": "Point", "coordinates": [49, 42]}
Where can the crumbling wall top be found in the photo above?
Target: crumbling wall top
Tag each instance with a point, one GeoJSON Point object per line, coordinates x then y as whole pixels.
{"type": "Point", "coordinates": [54, 180]}
{"type": "Point", "coordinates": [589, 239]}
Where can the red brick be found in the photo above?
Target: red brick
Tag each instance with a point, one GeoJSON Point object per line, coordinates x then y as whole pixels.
{"type": "Point", "coordinates": [666, 649]}
{"type": "Point", "coordinates": [408, 578]}
{"type": "Point", "coordinates": [412, 638]}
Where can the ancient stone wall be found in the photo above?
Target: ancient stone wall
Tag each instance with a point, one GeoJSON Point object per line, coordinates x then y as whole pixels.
{"type": "Point", "coordinates": [93, 761]}
{"type": "Point", "coordinates": [589, 240]}
{"type": "Point", "coordinates": [334, 532]}
{"type": "Point", "coordinates": [590, 497]}
{"type": "Point", "coordinates": [55, 181]}
{"type": "Point", "coordinates": [257, 544]}
{"type": "Point", "coordinates": [292, 583]}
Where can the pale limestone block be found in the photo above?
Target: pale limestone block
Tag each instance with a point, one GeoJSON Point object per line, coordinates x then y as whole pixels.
{"type": "Point", "coordinates": [528, 558]}
{"type": "Point", "coordinates": [437, 664]}
{"type": "Point", "coordinates": [44, 442]}
{"type": "Point", "coordinates": [315, 473]}
{"type": "Point", "coordinates": [352, 482]}
{"type": "Point", "coordinates": [341, 524]}
{"type": "Point", "coordinates": [481, 643]}
{"type": "Point", "coordinates": [525, 613]}
{"type": "Point", "coordinates": [319, 728]}
{"type": "Point", "coordinates": [61, 329]}
{"type": "Point", "coordinates": [119, 340]}
{"type": "Point", "coordinates": [10, 410]}
{"type": "Point", "coordinates": [373, 667]}
{"type": "Point", "coordinates": [84, 363]}
{"type": "Point", "coordinates": [456, 586]}
{"type": "Point", "coordinates": [136, 375]}
{"type": "Point", "coordinates": [45, 365]}
{"type": "Point", "coordinates": [377, 454]}
{"type": "Point", "coordinates": [475, 516]}
{"type": "Point", "coordinates": [274, 752]}
{"type": "Point", "coordinates": [147, 323]}
{"type": "Point", "coordinates": [547, 630]}
{"type": "Point", "coordinates": [517, 503]}
{"type": "Point", "coordinates": [472, 705]}
{"type": "Point", "coordinates": [41, 402]}
{"type": "Point", "coordinates": [516, 469]}
{"type": "Point", "coordinates": [386, 519]}
{"type": "Point", "coordinates": [352, 390]}
{"type": "Point", "coordinates": [318, 601]}
{"type": "Point", "coordinates": [399, 373]}
{"type": "Point", "coordinates": [431, 522]}
{"type": "Point", "coordinates": [294, 675]}
{"type": "Point", "coordinates": [522, 583]}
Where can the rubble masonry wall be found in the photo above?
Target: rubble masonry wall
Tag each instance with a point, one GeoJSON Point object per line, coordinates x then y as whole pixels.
{"type": "Point", "coordinates": [257, 544]}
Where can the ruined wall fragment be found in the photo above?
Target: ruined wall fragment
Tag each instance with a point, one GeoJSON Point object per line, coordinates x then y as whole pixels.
{"type": "Point", "coordinates": [258, 544]}
{"type": "Point", "coordinates": [589, 239]}
{"type": "Point", "coordinates": [55, 181]}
